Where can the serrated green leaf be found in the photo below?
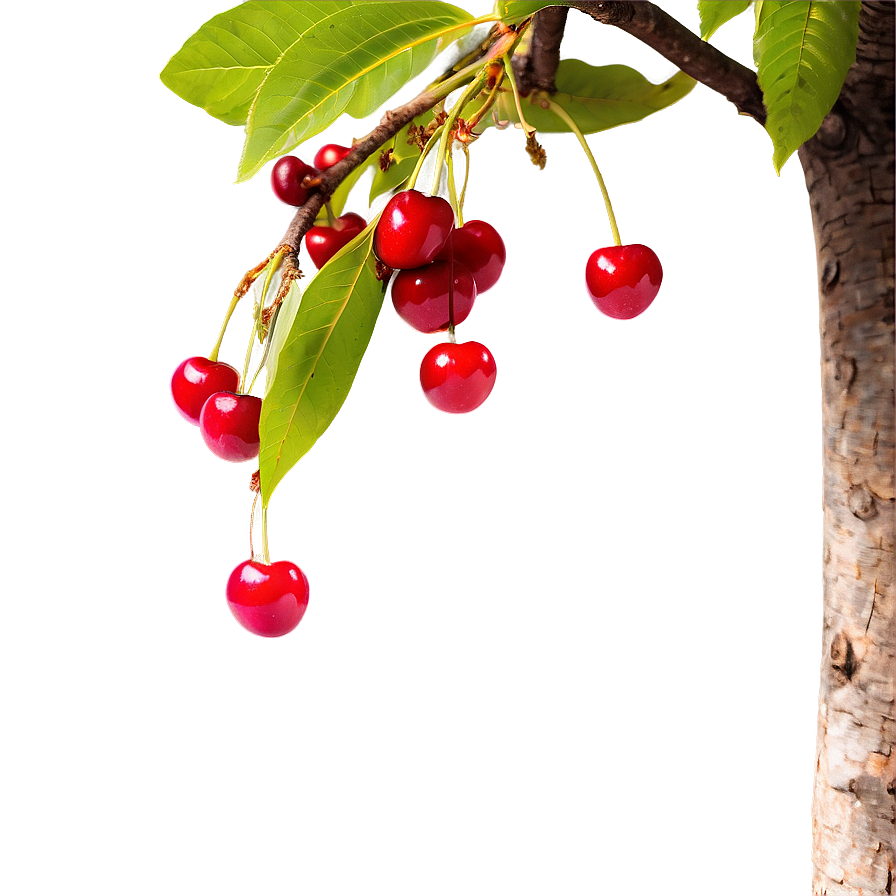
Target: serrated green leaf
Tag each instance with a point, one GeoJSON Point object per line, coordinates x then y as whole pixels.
{"type": "Point", "coordinates": [319, 357]}
{"type": "Point", "coordinates": [352, 62]}
{"type": "Point", "coordinates": [714, 14]}
{"type": "Point", "coordinates": [596, 97]}
{"type": "Point", "coordinates": [803, 51]}
{"type": "Point", "coordinates": [222, 65]}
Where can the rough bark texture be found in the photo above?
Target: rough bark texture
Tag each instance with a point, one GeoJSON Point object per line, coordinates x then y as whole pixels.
{"type": "Point", "coordinates": [849, 174]}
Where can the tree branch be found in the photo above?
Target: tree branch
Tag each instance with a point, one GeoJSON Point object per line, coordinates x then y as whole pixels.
{"type": "Point", "coordinates": [703, 62]}
{"type": "Point", "coordinates": [537, 68]}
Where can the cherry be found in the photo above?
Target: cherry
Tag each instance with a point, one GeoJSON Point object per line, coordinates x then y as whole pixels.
{"type": "Point", "coordinates": [480, 249]}
{"type": "Point", "coordinates": [329, 154]}
{"type": "Point", "coordinates": [420, 295]}
{"type": "Point", "coordinates": [286, 179]}
{"type": "Point", "coordinates": [457, 377]}
{"type": "Point", "coordinates": [198, 378]}
{"type": "Point", "coordinates": [268, 599]}
{"type": "Point", "coordinates": [412, 229]}
{"type": "Point", "coordinates": [324, 242]}
{"type": "Point", "coordinates": [229, 425]}
{"type": "Point", "coordinates": [623, 280]}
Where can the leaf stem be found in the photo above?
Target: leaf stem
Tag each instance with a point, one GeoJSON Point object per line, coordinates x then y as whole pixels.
{"type": "Point", "coordinates": [562, 114]}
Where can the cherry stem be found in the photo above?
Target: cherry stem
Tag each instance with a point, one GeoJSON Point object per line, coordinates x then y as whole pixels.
{"type": "Point", "coordinates": [412, 180]}
{"type": "Point", "coordinates": [508, 69]}
{"type": "Point", "coordinates": [256, 318]}
{"type": "Point", "coordinates": [445, 144]}
{"type": "Point", "coordinates": [213, 355]}
{"type": "Point", "coordinates": [463, 189]}
{"type": "Point", "coordinates": [452, 192]}
{"type": "Point", "coordinates": [252, 526]}
{"type": "Point", "coordinates": [331, 218]}
{"type": "Point", "coordinates": [265, 550]}
{"type": "Point", "coordinates": [562, 114]}
{"type": "Point", "coordinates": [275, 263]}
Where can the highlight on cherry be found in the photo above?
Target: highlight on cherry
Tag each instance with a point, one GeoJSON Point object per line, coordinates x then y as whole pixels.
{"type": "Point", "coordinates": [377, 215]}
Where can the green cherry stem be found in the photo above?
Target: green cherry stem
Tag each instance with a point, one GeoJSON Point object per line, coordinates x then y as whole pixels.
{"type": "Point", "coordinates": [452, 192]}
{"type": "Point", "coordinates": [256, 318]}
{"type": "Point", "coordinates": [508, 69]}
{"type": "Point", "coordinates": [562, 114]}
{"type": "Point", "coordinates": [265, 550]}
{"type": "Point", "coordinates": [331, 218]}
{"type": "Point", "coordinates": [445, 143]}
{"type": "Point", "coordinates": [213, 354]}
{"type": "Point", "coordinates": [433, 140]}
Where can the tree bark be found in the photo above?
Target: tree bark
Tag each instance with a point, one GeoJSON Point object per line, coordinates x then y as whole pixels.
{"type": "Point", "coordinates": [849, 174]}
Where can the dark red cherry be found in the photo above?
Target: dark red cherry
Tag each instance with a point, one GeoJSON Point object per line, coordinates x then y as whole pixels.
{"type": "Point", "coordinates": [623, 280]}
{"type": "Point", "coordinates": [198, 378]}
{"type": "Point", "coordinates": [457, 377]}
{"type": "Point", "coordinates": [329, 154]}
{"type": "Point", "coordinates": [286, 179]}
{"type": "Point", "coordinates": [412, 229]}
{"type": "Point", "coordinates": [324, 242]}
{"type": "Point", "coordinates": [420, 295]}
{"type": "Point", "coordinates": [229, 425]}
{"type": "Point", "coordinates": [268, 600]}
{"type": "Point", "coordinates": [480, 249]}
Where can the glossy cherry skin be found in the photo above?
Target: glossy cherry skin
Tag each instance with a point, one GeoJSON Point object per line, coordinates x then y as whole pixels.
{"type": "Point", "coordinates": [420, 295]}
{"type": "Point", "coordinates": [457, 377]}
{"type": "Point", "coordinates": [229, 425]}
{"type": "Point", "coordinates": [286, 180]}
{"type": "Point", "coordinates": [324, 242]}
{"type": "Point", "coordinates": [198, 378]}
{"type": "Point", "coordinates": [623, 280]}
{"type": "Point", "coordinates": [329, 154]}
{"type": "Point", "coordinates": [412, 229]}
{"type": "Point", "coordinates": [480, 249]}
{"type": "Point", "coordinates": [268, 600]}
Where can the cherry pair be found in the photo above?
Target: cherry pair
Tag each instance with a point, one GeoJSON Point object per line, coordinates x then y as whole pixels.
{"type": "Point", "coordinates": [205, 393]}
{"type": "Point", "coordinates": [289, 173]}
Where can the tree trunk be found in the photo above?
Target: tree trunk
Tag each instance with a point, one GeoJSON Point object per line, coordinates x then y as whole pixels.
{"type": "Point", "coordinates": [849, 174]}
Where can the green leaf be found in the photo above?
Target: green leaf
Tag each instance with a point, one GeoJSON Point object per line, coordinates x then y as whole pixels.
{"type": "Point", "coordinates": [714, 14]}
{"type": "Point", "coordinates": [318, 359]}
{"type": "Point", "coordinates": [510, 11]}
{"type": "Point", "coordinates": [340, 198]}
{"type": "Point", "coordinates": [351, 62]}
{"type": "Point", "coordinates": [803, 51]}
{"type": "Point", "coordinates": [222, 65]}
{"type": "Point", "coordinates": [597, 98]}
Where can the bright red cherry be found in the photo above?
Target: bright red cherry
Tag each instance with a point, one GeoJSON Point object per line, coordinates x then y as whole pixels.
{"type": "Point", "coordinates": [480, 249]}
{"type": "Point", "coordinates": [412, 229]}
{"type": "Point", "coordinates": [329, 154]}
{"type": "Point", "coordinates": [420, 295]}
{"type": "Point", "coordinates": [286, 179]}
{"type": "Point", "coordinates": [268, 600]}
{"type": "Point", "coordinates": [324, 242]}
{"type": "Point", "coordinates": [229, 425]}
{"type": "Point", "coordinates": [457, 377]}
{"type": "Point", "coordinates": [623, 280]}
{"type": "Point", "coordinates": [198, 378]}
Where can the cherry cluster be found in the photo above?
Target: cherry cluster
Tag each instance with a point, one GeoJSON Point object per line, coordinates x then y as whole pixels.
{"type": "Point", "coordinates": [441, 269]}
{"type": "Point", "coordinates": [268, 599]}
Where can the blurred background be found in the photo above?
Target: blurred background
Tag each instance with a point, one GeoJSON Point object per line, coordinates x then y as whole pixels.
{"type": "Point", "coordinates": [567, 643]}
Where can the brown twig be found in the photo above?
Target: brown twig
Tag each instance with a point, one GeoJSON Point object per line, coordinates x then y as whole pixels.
{"type": "Point", "coordinates": [537, 68]}
{"type": "Point", "coordinates": [703, 62]}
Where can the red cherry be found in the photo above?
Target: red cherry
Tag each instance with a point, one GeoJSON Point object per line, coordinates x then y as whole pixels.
{"type": "Point", "coordinates": [268, 600]}
{"type": "Point", "coordinates": [623, 280]}
{"type": "Point", "coordinates": [412, 229]}
{"type": "Point", "coordinates": [198, 378]}
{"type": "Point", "coordinates": [324, 242]}
{"type": "Point", "coordinates": [329, 154]}
{"type": "Point", "coordinates": [286, 179]}
{"type": "Point", "coordinates": [229, 425]}
{"type": "Point", "coordinates": [420, 295]}
{"type": "Point", "coordinates": [457, 377]}
{"type": "Point", "coordinates": [480, 249]}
